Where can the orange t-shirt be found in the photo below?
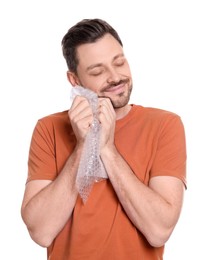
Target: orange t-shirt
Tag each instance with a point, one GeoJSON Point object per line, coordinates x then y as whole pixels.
{"type": "Point", "coordinates": [151, 140]}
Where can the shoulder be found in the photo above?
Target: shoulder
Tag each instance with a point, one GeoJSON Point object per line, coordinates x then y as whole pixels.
{"type": "Point", "coordinates": [55, 118]}
{"type": "Point", "coordinates": [53, 122]}
{"type": "Point", "coordinates": [156, 118]}
{"type": "Point", "coordinates": [152, 113]}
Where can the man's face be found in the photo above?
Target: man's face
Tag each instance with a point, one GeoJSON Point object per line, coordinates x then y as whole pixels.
{"type": "Point", "coordinates": [104, 69]}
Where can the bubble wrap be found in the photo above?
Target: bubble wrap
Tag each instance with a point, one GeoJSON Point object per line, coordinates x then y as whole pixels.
{"type": "Point", "coordinates": [91, 168]}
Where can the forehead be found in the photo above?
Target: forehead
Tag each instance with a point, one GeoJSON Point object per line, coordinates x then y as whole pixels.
{"type": "Point", "coordinates": [103, 50]}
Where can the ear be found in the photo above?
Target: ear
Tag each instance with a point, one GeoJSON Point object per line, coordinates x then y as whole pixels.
{"type": "Point", "coordinates": [72, 78]}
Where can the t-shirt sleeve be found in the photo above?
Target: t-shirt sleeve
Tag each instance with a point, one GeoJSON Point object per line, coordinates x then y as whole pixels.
{"type": "Point", "coordinates": [41, 160]}
{"type": "Point", "coordinates": [170, 157]}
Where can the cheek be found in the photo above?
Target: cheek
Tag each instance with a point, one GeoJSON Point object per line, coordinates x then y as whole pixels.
{"type": "Point", "coordinates": [123, 70]}
{"type": "Point", "coordinates": [127, 70]}
{"type": "Point", "coordinates": [92, 83]}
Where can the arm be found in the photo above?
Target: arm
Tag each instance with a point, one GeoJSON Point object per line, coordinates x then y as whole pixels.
{"type": "Point", "coordinates": [47, 205]}
{"type": "Point", "coordinates": [153, 209]}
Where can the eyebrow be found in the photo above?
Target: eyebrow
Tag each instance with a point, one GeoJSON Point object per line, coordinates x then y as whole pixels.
{"type": "Point", "coordinates": [101, 64]}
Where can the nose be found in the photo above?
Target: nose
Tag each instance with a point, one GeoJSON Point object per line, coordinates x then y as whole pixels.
{"type": "Point", "coordinates": [113, 76]}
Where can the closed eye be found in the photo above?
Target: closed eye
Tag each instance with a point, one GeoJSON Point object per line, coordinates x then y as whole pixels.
{"type": "Point", "coordinates": [96, 72]}
{"type": "Point", "coordinates": [119, 62]}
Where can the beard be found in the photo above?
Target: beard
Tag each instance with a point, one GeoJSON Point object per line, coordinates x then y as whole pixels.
{"type": "Point", "coordinates": [122, 99]}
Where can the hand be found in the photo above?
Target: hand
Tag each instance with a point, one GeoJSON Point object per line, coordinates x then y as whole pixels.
{"type": "Point", "coordinates": [81, 117]}
{"type": "Point", "coordinates": [107, 119]}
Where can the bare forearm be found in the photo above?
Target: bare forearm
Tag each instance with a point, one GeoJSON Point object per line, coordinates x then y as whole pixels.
{"type": "Point", "coordinates": [150, 212]}
{"type": "Point", "coordinates": [46, 213]}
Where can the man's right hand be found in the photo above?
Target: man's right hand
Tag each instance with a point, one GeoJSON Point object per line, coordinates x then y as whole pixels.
{"type": "Point", "coordinates": [81, 117]}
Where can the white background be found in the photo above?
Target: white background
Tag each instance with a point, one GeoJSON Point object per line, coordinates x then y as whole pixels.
{"type": "Point", "coordinates": [169, 47]}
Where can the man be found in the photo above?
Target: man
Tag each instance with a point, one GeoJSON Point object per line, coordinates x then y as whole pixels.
{"type": "Point", "coordinates": [131, 214]}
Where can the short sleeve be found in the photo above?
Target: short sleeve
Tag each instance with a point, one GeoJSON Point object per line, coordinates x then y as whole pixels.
{"type": "Point", "coordinates": [41, 160]}
{"type": "Point", "coordinates": [170, 157]}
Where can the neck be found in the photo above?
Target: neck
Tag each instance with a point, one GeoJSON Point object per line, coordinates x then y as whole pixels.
{"type": "Point", "coordinates": [123, 111]}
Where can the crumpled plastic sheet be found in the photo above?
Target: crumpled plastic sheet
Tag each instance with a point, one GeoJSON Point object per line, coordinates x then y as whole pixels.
{"type": "Point", "coordinates": [91, 168]}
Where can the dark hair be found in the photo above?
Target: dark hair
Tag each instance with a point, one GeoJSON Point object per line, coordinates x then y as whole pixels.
{"type": "Point", "coordinates": [85, 31]}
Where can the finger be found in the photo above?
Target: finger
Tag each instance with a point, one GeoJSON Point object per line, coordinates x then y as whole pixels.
{"type": "Point", "coordinates": [106, 110]}
{"type": "Point", "coordinates": [79, 100]}
{"type": "Point", "coordinates": [80, 108]}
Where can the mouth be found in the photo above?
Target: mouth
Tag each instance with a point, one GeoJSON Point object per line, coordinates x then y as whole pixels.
{"type": "Point", "coordinates": [115, 89]}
